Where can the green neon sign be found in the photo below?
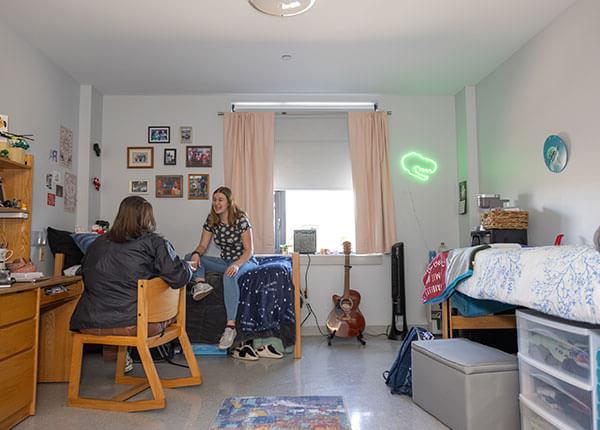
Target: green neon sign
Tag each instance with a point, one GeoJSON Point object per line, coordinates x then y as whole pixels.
{"type": "Point", "coordinates": [418, 166]}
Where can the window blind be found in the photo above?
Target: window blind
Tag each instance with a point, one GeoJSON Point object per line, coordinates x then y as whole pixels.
{"type": "Point", "coordinates": [312, 152]}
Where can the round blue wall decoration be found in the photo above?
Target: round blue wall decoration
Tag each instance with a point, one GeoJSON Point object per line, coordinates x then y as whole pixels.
{"type": "Point", "coordinates": [555, 153]}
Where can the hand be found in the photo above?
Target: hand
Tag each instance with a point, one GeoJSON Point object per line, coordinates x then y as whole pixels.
{"type": "Point", "coordinates": [232, 270]}
{"type": "Point", "coordinates": [195, 261]}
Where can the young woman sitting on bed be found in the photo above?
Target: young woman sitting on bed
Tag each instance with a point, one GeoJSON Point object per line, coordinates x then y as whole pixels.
{"type": "Point", "coordinates": [232, 232]}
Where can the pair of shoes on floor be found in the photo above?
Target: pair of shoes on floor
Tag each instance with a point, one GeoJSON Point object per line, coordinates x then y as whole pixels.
{"type": "Point", "coordinates": [128, 363]}
{"type": "Point", "coordinates": [269, 351]}
{"type": "Point", "coordinates": [201, 290]}
{"type": "Point", "coordinates": [245, 352]}
{"type": "Point", "coordinates": [227, 338]}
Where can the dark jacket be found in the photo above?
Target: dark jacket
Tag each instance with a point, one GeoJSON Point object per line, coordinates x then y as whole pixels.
{"type": "Point", "coordinates": [110, 275]}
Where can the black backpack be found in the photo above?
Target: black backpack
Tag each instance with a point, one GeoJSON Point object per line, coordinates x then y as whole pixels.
{"type": "Point", "coordinates": [399, 377]}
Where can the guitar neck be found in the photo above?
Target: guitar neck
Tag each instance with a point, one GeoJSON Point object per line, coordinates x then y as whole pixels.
{"type": "Point", "coordinates": [347, 276]}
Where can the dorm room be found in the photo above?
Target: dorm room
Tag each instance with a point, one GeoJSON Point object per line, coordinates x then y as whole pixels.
{"type": "Point", "coordinates": [369, 145]}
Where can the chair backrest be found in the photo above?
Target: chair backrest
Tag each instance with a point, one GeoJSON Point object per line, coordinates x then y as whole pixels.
{"type": "Point", "coordinates": [161, 301]}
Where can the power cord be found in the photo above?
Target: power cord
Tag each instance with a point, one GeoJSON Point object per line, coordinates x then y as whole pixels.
{"type": "Point", "coordinates": [304, 300]}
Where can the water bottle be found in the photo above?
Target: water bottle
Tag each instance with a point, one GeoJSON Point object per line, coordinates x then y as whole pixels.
{"type": "Point", "coordinates": [442, 248]}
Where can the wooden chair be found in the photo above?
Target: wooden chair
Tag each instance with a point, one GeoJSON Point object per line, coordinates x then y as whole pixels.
{"type": "Point", "coordinates": [156, 302]}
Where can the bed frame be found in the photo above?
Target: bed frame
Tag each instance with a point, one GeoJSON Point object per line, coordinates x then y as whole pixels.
{"type": "Point", "coordinates": [457, 322]}
{"type": "Point", "coordinates": [59, 261]}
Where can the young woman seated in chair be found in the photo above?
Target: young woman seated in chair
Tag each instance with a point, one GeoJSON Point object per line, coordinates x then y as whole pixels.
{"type": "Point", "coordinates": [114, 263]}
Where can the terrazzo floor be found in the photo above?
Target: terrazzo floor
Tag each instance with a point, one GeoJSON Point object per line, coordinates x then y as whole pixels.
{"type": "Point", "coordinates": [344, 369]}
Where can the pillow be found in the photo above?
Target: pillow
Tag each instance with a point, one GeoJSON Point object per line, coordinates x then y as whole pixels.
{"type": "Point", "coordinates": [61, 242]}
{"type": "Point", "coordinates": [84, 240]}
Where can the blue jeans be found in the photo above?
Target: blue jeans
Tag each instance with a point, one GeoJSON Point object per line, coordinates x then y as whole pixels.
{"type": "Point", "coordinates": [231, 289]}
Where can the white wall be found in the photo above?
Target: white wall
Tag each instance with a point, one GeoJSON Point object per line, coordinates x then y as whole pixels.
{"type": "Point", "coordinates": [39, 97]}
{"type": "Point", "coordinates": [426, 213]}
{"type": "Point", "coordinates": [425, 124]}
{"type": "Point", "coordinates": [550, 86]}
{"type": "Point", "coordinates": [94, 161]}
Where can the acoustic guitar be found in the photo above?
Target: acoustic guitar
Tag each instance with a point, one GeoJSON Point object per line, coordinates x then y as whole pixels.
{"type": "Point", "coordinates": [345, 319]}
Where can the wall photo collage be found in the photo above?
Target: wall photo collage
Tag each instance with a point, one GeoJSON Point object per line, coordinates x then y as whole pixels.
{"type": "Point", "coordinates": [171, 185]}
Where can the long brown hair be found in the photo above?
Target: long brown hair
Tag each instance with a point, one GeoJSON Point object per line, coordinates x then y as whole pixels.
{"type": "Point", "coordinates": [233, 211]}
{"type": "Point", "coordinates": [135, 217]}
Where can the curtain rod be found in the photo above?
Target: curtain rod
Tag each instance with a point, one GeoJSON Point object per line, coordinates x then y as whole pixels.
{"type": "Point", "coordinates": [389, 112]}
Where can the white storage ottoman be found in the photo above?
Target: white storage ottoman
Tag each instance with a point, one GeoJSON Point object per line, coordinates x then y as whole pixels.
{"type": "Point", "coordinates": [466, 385]}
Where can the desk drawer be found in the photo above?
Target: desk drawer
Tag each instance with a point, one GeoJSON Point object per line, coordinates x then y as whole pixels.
{"type": "Point", "coordinates": [73, 290]}
{"type": "Point", "coordinates": [16, 380]}
{"type": "Point", "coordinates": [17, 307]}
{"type": "Point", "coordinates": [16, 338]}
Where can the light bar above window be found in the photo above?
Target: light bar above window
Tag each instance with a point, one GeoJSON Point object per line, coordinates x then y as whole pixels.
{"type": "Point", "coordinates": [303, 106]}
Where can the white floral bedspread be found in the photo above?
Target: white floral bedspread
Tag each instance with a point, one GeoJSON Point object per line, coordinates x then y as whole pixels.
{"type": "Point", "coordinates": [558, 280]}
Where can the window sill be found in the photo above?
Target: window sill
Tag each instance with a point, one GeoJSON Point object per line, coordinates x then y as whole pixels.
{"type": "Point", "coordinates": [338, 260]}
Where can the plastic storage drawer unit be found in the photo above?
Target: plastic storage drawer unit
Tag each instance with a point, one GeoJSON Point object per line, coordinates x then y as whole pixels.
{"type": "Point", "coordinates": [558, 368]}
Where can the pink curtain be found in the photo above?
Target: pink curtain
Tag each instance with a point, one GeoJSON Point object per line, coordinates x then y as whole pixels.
{"type": "Point", "coordinates": [248, 152]}
{"type": "Point", "coordinates": [371, 179]}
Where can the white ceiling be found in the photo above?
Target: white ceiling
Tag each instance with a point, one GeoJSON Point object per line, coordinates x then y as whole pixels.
{"type": "Point", "coordinates": [225, 46]}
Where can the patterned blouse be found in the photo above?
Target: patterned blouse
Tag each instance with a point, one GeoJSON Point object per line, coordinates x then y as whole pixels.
{"type": "Point", "coordinates": [229, 237]}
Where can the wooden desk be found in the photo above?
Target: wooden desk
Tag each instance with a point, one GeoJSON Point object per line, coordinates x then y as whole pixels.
{"type": "Point", "coordinates": [35, 342]}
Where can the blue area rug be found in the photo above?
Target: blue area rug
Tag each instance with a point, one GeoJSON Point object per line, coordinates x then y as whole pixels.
{"type": "Point", "coordinates": [282, 413]}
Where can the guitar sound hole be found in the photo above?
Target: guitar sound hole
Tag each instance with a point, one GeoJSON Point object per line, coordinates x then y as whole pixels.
{"type": "Point", "coordinates": [346, 305]}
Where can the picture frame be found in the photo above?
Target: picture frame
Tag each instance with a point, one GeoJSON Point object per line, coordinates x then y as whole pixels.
{"type": "Point", "coordinates": [2, 193]}
{"type": "Point", "coordinates": [198, 186]}
{"type": "Point", "coordinates": [140, 157]}
{"type": "Point", "coordinates": [170, 157]}
{"type": "Point", "coordinates": [462, 197]}
{"type": "Point", "coordinates": [198, 156]}
{"type": "Point", "coordinates": [169, 186]}
{"type": "Point", "coordinates": [159, 134]}
{"type": "Point", "coordinates": [3, 126]}
{"type": "Point", "coordinates": [139, 186]}
{"type": "Point", "coordinates": [185, 134]}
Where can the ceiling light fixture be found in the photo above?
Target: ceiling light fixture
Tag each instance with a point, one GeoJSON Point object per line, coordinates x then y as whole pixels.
{"type": "Point", "coordinates": [303, 106]}
{"type": "Point", "coordinates": [282, 7]}
{"type": "Point", "coordinates": [286, 57]}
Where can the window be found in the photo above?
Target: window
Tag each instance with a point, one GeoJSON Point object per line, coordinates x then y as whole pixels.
{"type": "Point", "coordinates": [313, 179]}
{"type": "Point", "coordinates": [330, 212]}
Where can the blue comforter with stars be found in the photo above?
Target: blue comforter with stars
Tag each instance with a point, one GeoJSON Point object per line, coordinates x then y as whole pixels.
{"type": "Point", "coordinates": [267, 296]}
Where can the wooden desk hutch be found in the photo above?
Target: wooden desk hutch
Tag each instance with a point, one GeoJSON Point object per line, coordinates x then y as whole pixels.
{"type": "Point", "coordinates": [35, 344]}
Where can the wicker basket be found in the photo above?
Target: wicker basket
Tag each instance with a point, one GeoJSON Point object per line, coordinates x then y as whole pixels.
{"type": "Point", "coordinates": [505, 220]}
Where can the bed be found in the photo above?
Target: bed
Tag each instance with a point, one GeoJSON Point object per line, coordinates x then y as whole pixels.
{"type": "Point", "coordinates": [562, 281]}
{"type": "Point", "coordinates": [292, 262]}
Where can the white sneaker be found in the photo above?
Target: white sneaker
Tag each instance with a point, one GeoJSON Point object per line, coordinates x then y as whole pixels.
{"type": "Point", "coordinates": [128, 363]}
{"type": "Point", "coordinates": [269, 351]}
{"type": "Point", "coordinates": [201, 290]}
{"type": "Point", "coordinates": [227, 338]}
{"type": "Point", "coordinates": [245, 352]}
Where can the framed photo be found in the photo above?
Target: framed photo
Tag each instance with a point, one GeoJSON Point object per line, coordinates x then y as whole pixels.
{"type": "Point", "coordinates": [462, 197]}
{"type": "Point", "coordinates": [139, 186]}
{"type": "Point", "coordinates": [3, 126]}
{"type": "Point", "coordinates": [198, 186]}
{"type": "Point", "coordinates": [170, 158]}
{"type": "Point", "coordinates": [140, 157]}
{"type": "Point", "coordinates": [185, 133]}
{"type": "Point", "coordinates": [169, 186]}
{"type": "Point", "coordinates": [159, 134]}
{"type": "Point", "coordinates": [198, 156]}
